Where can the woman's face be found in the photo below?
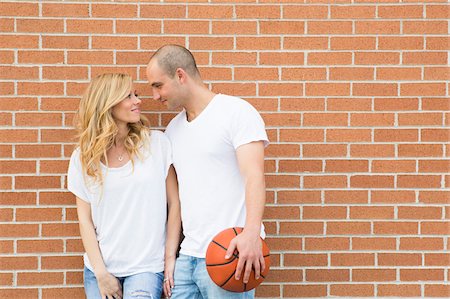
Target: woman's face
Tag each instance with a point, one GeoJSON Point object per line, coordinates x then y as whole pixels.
{"type": "Point", "coordinates": [129, 109]}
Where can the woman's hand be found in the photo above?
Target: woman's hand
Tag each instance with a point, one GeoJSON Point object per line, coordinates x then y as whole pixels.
{"type": "Point", "coordinates": [169, 269]}
{"type": "Point", "coordinates": [109, 286]}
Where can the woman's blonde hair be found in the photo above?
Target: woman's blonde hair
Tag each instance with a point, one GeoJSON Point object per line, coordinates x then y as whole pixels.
{"type": "Point", "coordinates": [97, 129]}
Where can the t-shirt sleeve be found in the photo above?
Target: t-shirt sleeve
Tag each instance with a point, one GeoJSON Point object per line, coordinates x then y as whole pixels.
{"type": "Point", "coordinates": [75, 179]}
{"type": "Point", "coordinates": [166, 152]}
{"type": "Point", "coordinates": [248, 126]}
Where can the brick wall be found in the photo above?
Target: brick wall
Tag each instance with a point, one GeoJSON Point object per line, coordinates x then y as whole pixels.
{"type": "Point", "coordinates": [354, 94]}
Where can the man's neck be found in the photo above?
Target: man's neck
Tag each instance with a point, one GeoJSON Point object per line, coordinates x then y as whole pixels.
{"type": "Point", "coordinates": [198, 103]}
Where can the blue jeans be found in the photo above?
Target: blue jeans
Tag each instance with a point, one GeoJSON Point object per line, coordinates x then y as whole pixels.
{"type": "Point", "coordinates": [146, 285]}
{"type": "Point", "coordinates": [192, 281]}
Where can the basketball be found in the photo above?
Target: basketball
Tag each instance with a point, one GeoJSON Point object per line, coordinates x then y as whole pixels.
{"type": "Point", "coordinates": [222, 270]}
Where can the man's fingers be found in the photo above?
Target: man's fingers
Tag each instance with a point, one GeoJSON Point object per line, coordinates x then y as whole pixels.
{"type": "Point", "coordinates": [239, 268]}
{"type": "Point", "coordinates": [257, 268]}
{"type": "Point", "coordinates": [230, 249]}
{"type": "Point", "coordinates": [248, 270]}
{"type": "Point", "coordinates": [262, 262]}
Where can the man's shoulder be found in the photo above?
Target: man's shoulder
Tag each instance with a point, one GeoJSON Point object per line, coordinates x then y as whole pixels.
{"type": "Point", "coordinates": [233, 102]}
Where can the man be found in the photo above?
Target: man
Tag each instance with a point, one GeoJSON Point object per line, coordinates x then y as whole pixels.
{"type": "Point", "coordinates": [218, 152]}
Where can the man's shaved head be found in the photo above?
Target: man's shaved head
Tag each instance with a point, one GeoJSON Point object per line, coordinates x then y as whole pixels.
{"type": "Point", "coordinates": [172, 57]}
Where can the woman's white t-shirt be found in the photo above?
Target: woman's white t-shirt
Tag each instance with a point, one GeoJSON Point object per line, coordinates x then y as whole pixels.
{"type": "Point", "coordinates": [130, 219]}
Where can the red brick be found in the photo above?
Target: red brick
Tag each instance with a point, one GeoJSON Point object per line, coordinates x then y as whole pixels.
{"type": "Point", "coordinates": [328, 243]}
{"type": "Point", "coordinates": [371, 212]}
{"type": "Point", "coordinates": [401, 12]}
{"type": "Point", "coordinates": [401, 43]}
{"type": "Point", "coordinates": [437, 259]}
{"type": "Point", "coordinates": [373, 243]}
{"type": "Point", "coordinates": [346, 166]}
{"type": "Point", "coordinates": [421, 244]}
{"type": "Point", "coordinates": [434, 197]}
{"type": "Point", "coordinates": [163, 11]}
{"type": "Point", "coordinates": [234, 27]}
{"type": "Point", "coordinates": [37, 182]}
{"type": "Point", "coordinates": [313, 212]}
{"type": "Point", "coordinates": [306, 290]}
{"type": "Point", "coordinates": [304, 228]}
{"type": "Point", "coordinates": [350, 290]}
{"type": "Point", "coordinates": [19, 293]}
{"type": "Point", "coordinates": [306, 12]}
{"type": "Point", "coordinates": [65, 10]}
{"type": "Point", "coordinates": [346, 196]}
{"type": "Point", "coordinates": [348, 228]}
{"type": "Point", "coordinates": [419, 181]}
{"type": "Point", "coordinates": [290, 243]}
{"type": "Point", "coordinates": [300, 166]}
{"type": "Point", "coordinates": [423, 89]}
{"type": "Point", "coordinates": [68, 292]}
{"type": "Point", "coordinates": [375, 89]}
{"type": "Point", "coordinates": [238, 58]}
{"type": "Point", "coordinates": [324, 150]}
{"type": "Point", "coordinates": [351, 73]}
{"type": "Point", "coordinates": [114, 42]}
{"type": "Point", "coordinates": [353, 43]}
{"type": "Point", "coordinates": [60, 230]}
{"type": "Point", "coordinates": [18, 263]}
{"type": "Point", "coordinates": [399, 73]}
{"type": "Point", "coordinates": [42, 278]}
{"type": "Point", "coordinates": [301, 104]}
{"type": "Point", "coordinates": [352, 259]}
{"type": "Point", "coordinates": [327, 275]}
{"type": "Point", "coordinates": [114, 10]}
{"type": "Point", "coordinates": [393, 166]}
{"type": "Point", "coordinates": [398, 290]}
{"type": "Point", "coordinates": [284, 275]}
{"type": "Point", "coordinates": [20, 41]}
{"type": "Point", "coordinates": [420, 150]}
{"type": "Point", "coordinates": [399, 259]}
{"type": "Point", "coordinates": [348, 135]}
{"type": "Point", "coordinates": [394, 104]}
{"type": "Point", "coordinates": [439, 135]}
{"type": "Point", "coordinates": [302, 260]}
{"type": "Point", "coordinates": [373, 275]}
{"type": "Point", "coordinates": [396, 228]}
{"type": "Point", "coordinates": [395, 135]}
{"type": "Point", "coordinates": [349, 104]}
{"type": "Point", "coordinates": [427, 58]}
{"type": "Point", "coordinates": [329, 58]}
{"type": "Point", "coordinates": [306, 43]}
{"type": "Point", "coordinates": [212, 12]}
{"type": "Point", "coordinates": [437, 43]}
{"type": "Point", "coordinates": [176, 27]}
{"type": "Point", "coordinates": [434, 228]}
{"type": "Point", "coordinates": [303, 74]}
{"type": "Point", "coordinates": [377, 27]}
{"type": "Point", "coordinates": [35, 246]}
{"type": "Point", "coordinates": [437, 290]}
{"type": "Point", "coordinates": [421, 274]}
{"type": "Point", "coordinates": [352, 12]}
{"type": "Point", "coordinates": [329, 27]}
{"type": "Point", "coordinates": [325, 181]}
{"type": "Point", "coordinates": [281, 213]}
{"type": "Point", "coordinates": [40, 25]}
{"type": "Point", "coordinates": [425, 27]}
{"type": "Point", "coordinates": [17, 166]}
{"type": "Point", "coordinates": [437, 11]}
{"type": "Point", "coordinates": [290, 197]}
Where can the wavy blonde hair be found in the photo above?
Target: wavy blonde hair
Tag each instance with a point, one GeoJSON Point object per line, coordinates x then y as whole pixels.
{"type": "Point", "coordinates": [97, 128]}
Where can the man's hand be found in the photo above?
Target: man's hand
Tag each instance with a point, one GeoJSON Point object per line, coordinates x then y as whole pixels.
{"type": "Point", "coordinates": [249, 246]}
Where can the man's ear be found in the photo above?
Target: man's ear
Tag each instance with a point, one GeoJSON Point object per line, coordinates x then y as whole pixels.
{"type": "Point", "coordinates": [181, 75]}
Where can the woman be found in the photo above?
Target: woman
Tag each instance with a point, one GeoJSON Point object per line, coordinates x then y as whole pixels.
{"type": "Point", "coordinates": [127, 193]}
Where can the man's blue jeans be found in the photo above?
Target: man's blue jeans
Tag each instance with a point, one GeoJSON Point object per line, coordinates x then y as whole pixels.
{"type": "Point", "coordinates": [192, 281]}
{"type": "Point", "coordinates": [146, 285]}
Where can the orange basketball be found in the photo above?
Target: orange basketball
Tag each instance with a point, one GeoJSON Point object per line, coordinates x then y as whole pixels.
{"type": "Point", "coordinates": [222, 271]}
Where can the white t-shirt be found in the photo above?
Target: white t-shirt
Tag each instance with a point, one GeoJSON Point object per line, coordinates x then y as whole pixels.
{"type": "Point", "coordinates": [130, 219]}
{"type": "Point", "coordinates": [212, 190]}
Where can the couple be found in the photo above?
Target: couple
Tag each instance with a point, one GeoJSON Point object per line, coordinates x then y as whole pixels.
{"type": "Point", "coordinates": [135, 186]}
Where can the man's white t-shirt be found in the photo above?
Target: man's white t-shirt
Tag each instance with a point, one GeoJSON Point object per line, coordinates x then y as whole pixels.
{"type": "Point", "coordinates": [212, 190]}
{"type": "Point", "coordinates": [130, 219]}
